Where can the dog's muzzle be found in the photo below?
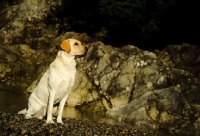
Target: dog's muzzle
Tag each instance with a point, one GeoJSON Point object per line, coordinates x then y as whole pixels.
{"type": "Point", "coordinates": [79, 56]}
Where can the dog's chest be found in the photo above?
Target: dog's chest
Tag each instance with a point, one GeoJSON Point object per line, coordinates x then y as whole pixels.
{"type": "Point", "coordinates": [67, 80]}
{"type": "Point", "coordinates": [64, 88]}
{"type": "Point", "coordinates": [62, 78]}
{"type": "Point", "coordinates": [66, 70]}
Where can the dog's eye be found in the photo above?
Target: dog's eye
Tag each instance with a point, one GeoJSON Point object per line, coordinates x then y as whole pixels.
{"type": "Point", "coordinates": [75, 43]}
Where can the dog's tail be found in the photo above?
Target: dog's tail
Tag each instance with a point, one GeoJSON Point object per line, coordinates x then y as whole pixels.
{"type": "Point", "coordinates": [22, 111]}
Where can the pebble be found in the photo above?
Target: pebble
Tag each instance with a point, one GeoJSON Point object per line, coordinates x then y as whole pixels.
{"type": "Point", "coordinates": [13, 124]}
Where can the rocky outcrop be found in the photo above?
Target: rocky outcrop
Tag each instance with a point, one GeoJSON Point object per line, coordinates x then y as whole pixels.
{"type": "Point", "coordinates": [19, 64]}
{"type": "Point", "coordinates": [143, 87]}
{"type": "Point", "coordinates": [185, 57]}
{"type": "Point", "coordinates": [25, 23]}
{"type": "Point", "coordinates": [24, 37]}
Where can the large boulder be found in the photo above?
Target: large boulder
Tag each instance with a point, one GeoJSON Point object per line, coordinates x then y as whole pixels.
{"type": "Point", "coordinates": [25, 23]}
{"type": "Point", "coordinates": [186, 57]}
{"type": "Point", "coordinates": [20, 65]}
{"type": "Point", "coordinates": [24, 37]}
{"type": "Point", "coordinates": [144, 87]}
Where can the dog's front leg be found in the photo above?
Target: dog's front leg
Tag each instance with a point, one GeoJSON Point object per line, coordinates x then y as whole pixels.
{"type": "Point", "coordinates": [60, 109]}
{"type": "Point", "coordinates": [50, 107]}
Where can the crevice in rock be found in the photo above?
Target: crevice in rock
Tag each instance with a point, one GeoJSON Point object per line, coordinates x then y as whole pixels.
{"type": "Point", "coordinates": [107, 100]}
{"type": "Point", "coordinates": [131, 95]}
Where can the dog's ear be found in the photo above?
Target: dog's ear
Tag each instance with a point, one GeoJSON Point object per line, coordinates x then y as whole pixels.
{"type": "Point", "coordinates": [66, 46]}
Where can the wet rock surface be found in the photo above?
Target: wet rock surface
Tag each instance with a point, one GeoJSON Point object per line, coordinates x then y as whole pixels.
{"type": "Point", "coordinates": [12, 124]}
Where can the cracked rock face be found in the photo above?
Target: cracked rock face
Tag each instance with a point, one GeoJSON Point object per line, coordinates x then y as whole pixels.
{"type": "Point", "coordinates": [122, 74]}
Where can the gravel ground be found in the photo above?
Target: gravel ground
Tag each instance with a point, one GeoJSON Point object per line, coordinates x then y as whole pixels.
{"type": "Point", "coordinates": [17, 125]}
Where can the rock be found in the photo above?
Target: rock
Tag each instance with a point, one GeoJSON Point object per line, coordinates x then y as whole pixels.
{"type": "Point", "coordinates": [26, 50]}
{"type": "Point", "coordinates": [158, 106]}
{"type": "Point", "coordinates": [19, 64]}
{"type": "Point", "coordinates": [25, 23]}
{"type": "Point", "coordinates": [83, 93]}
{"type": "Point", "coordinates": [142, 87]}
{"type": "Point", "coordinates": [3, 71]}
{"type": "Point", "coordinates": [185, 56]}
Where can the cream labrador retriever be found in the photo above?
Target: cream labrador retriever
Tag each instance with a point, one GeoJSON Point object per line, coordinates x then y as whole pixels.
{"type": "Point", "coordinates": [55, 84]}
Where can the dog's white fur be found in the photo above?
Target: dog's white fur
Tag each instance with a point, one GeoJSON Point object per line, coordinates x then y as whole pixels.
{"type": "Point", "coordinates": [55, 84]}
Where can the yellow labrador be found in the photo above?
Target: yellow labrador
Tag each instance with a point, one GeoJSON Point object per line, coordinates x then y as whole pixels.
{"type": "Point", "coordinates": [55, 84]}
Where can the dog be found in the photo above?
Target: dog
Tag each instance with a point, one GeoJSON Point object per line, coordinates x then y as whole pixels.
{"type": "Point", "coordinates": [56, 83]}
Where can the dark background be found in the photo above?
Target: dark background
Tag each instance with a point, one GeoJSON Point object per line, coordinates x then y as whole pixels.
{"type": "Point", "coordinates": [147, 24]}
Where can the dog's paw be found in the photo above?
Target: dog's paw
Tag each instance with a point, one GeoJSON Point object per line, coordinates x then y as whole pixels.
{"type": "Point", "coordinates": [22, 111]}
{"type": "Point", "coordinates": [40, 117]}
{"type": "Point", "coordinates": [60, 121]}
{"type": "Point", "coordinates": [28, 116]}
{"type": "Point", "coordinates": [50, 121]}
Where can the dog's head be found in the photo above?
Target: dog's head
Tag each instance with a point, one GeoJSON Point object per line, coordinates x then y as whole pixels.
{"type": "Point", "coordinates": [73, 47]}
